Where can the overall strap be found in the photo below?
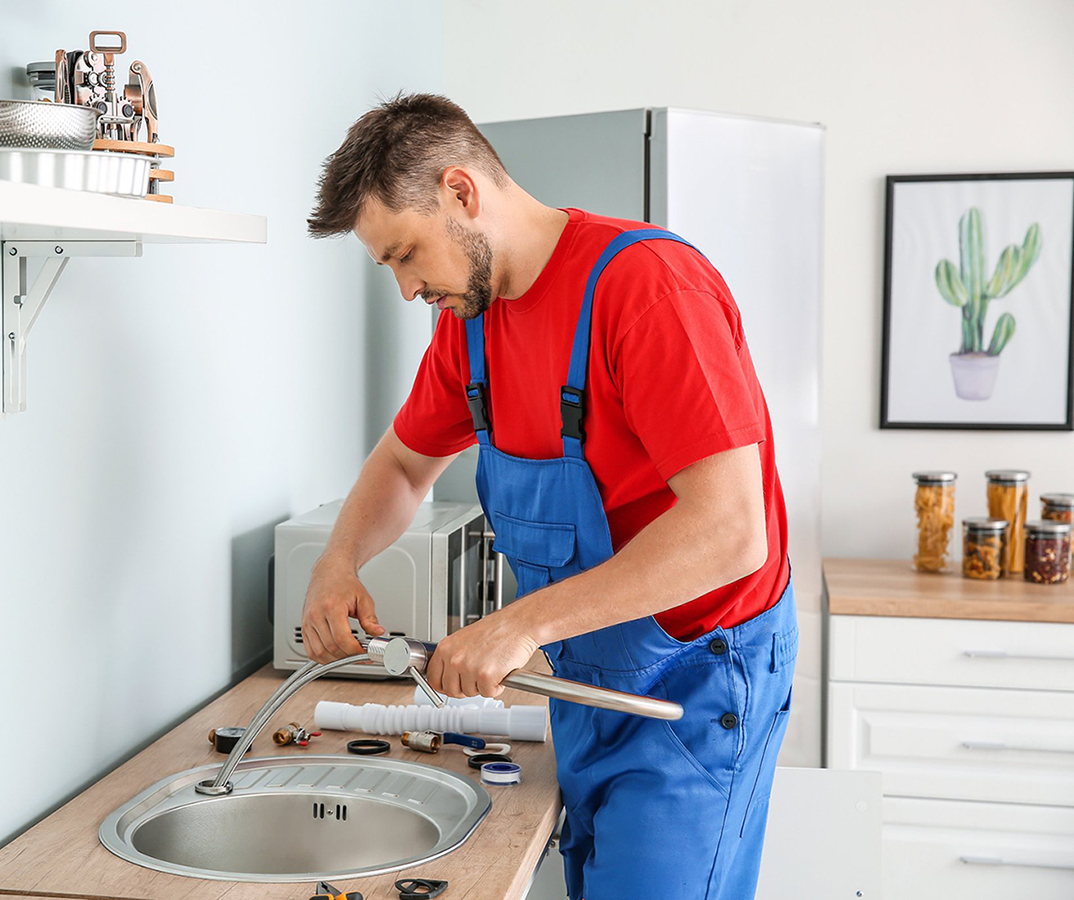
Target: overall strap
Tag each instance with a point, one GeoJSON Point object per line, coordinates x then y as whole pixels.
{"type": "Point", "coordinates": [475, 390]}
{"type": "Point", "coordinates": [572, 394]}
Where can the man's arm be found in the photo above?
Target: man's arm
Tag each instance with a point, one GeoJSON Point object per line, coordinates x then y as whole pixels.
{"type": "Point", "coordinates": [715, 534]}
{"type": "Point", "coordinates": [393, 482]}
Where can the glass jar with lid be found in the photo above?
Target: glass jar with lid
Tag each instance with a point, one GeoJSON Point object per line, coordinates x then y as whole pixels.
{"type": "Point", "coordinates": [1008, 493]}
{"type": "Point", "coordinates": [1047, 552]}
{"type": "Point", "coordinates": [934, 503]}
{"type": "Point", "coordinates": [1057, 507]}
{"type": "Point", "coordinates": [984, 547]}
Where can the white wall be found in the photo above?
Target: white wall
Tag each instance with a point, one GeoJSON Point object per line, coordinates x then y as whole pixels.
{"type": "Point", "coordinates": [910, 87]}
{"type": "Point", "coordinates": [181, 404]}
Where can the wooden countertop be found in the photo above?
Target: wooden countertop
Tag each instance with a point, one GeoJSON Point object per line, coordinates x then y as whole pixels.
{"type": "Point", "coordinates": [891, 587]}
{"type": "Point", "coordinates": [61, 856]}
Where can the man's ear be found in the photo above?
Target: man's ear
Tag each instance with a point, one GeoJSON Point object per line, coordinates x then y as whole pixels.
{"type": "Point", "coordinates": [459, 192]}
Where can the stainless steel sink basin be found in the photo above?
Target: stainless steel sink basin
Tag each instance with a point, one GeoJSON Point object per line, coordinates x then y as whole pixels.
{"type": "Point", "coordinates": [303, 818]}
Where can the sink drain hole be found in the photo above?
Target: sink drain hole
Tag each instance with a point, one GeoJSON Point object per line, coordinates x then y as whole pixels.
{"type": "Point", "coordinates": [319, 811]}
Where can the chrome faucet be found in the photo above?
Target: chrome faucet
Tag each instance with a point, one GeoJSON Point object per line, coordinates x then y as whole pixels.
{"type": "Point", "coordinates": [406, 656]}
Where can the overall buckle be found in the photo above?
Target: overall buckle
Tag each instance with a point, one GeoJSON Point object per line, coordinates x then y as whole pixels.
{"type": "Point", "coordinates": [572, 411]}
{"type": "Point", "coordinates": [475, 397]}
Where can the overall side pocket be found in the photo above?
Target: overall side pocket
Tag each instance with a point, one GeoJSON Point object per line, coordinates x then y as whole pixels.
{"type": "Point", "coordinates": [766, 768]}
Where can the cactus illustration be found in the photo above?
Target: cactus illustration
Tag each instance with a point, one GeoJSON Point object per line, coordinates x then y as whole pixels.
{"type": "Point", "coordinates": [967, 287]}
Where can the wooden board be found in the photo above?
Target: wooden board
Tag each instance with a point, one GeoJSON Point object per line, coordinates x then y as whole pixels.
{"type": "Point", "coordinates": [891, 587]}
{"type": "Point", "coordinates": [163, 150]}
{"type": "Point", "coordinates": [62, 856]}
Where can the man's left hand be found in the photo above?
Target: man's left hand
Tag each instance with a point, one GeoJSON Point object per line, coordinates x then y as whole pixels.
{"type": "Point", "coordinates": [475, 659]}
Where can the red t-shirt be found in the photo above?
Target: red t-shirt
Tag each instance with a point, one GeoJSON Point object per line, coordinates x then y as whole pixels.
{"type": "Point", "coordinates": [670, 382]}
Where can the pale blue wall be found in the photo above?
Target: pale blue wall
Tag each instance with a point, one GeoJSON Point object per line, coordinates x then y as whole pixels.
{"type": "Point", "coordinates": [182, 403]}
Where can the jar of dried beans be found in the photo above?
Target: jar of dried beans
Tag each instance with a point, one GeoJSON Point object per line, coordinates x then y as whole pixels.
{"type": "Point", "coordinates": [1008, 491]}
{"type": "Point", "coordinates": [1047, 552]}
{"type": "Point", "coordinates": [935, 507]}
{"type": "Point", "coordinates": [984, 547]}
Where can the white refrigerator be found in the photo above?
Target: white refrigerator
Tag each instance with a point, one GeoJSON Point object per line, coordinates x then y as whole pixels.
{"type": "Point", "coordinates": [747, 192]}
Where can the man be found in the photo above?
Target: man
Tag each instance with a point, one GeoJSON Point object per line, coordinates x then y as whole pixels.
{"type": "Point", "coordinates": [626, 466]}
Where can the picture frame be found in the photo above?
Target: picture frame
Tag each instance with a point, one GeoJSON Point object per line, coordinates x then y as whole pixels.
{"type": "Point", "coordinates": [978, 316]}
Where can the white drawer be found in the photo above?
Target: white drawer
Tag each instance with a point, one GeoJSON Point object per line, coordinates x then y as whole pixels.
{"type": "Point", "coordinates": [959, 652]}
{"type": "Point", "coordinates": [956, 743]}
{"type": "Point", "coordinates": [944, 849]}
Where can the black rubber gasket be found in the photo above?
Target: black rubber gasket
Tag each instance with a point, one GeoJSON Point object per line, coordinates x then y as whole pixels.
{"type": "Point", "coordinates": [476, 762]}
{"type": "Point", "coordinates": [368, 747]}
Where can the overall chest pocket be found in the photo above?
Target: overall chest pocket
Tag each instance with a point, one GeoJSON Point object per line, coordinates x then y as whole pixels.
{"type": "Point", "coordinates": [535, 550]}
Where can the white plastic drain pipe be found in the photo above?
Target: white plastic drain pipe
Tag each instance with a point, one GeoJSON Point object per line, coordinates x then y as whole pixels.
{"type": "Point", "coordinates": [523, 723]}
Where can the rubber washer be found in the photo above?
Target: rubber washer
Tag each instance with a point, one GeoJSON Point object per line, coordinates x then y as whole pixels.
{"type": "Point", "coordinates": [490, 747]}
{"type": "Point", "coordinates": [476, 762]}
{"type": "Point", "coordinates": [368, 747]}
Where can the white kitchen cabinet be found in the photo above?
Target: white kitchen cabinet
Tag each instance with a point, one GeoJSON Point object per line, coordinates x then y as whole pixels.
{"type": "Point", "coordinates": [956, 743]}
{"type": "Point", "coordinates": [970, 722]}
{"type": "Point", "coordinates": [983, 851]}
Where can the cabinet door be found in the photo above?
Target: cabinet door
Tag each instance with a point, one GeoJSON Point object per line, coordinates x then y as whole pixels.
{"type": "Point", "coordinates": [943, 849]}
{"type": "Point", "coordinates": [956, 652]}
{"type": "Point", "coordinates": [956, 743]}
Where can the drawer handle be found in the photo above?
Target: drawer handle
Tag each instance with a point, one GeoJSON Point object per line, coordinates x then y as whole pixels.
{"type": "Point", "coordinates": [996, 861]}
{"type": "Point", "coordinates": [1003, 654]}
{"type": "Point", "coordinates": [997, 745]}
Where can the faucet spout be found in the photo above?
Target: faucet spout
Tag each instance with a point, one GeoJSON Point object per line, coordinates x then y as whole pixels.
{"type": "Point", "coordinates": [309, 672]}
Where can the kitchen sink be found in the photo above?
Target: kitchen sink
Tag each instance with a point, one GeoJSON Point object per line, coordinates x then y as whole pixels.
{"type": "Point", "coordinates": [290, 819]}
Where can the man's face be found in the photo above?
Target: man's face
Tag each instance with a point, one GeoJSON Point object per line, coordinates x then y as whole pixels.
{"type": "Point", "coordinates": [434, 257]}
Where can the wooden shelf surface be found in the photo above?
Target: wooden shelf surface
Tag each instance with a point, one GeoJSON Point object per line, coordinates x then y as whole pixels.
{"type": "Point", "coordinates": [891, 587]}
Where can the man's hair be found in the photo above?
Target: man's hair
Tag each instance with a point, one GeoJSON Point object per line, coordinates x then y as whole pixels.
{"type": "Point", "coordinates": [397, 153]}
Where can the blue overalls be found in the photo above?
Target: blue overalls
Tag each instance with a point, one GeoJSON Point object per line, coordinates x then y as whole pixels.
{"type": "Point", "coordinates": [653, 808]}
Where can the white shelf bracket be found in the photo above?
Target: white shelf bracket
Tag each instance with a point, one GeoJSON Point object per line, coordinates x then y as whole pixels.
{"type": "Point", "coordinates": [23, 300]}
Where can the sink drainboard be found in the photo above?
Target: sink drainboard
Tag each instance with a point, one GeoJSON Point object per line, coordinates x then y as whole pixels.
{"type": "Point", "coordinates": [294, 819]}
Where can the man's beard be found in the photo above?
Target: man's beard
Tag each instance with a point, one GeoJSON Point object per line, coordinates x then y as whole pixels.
{"type": "Point", "coordinates": [478, 296]}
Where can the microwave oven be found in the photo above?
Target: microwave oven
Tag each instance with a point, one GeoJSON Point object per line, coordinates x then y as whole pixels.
{"type": "Point", "coordinates": [440, 575]}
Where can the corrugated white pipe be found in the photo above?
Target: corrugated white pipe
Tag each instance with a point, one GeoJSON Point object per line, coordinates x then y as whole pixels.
{"type": "Point", "coordinates": [523, 723]}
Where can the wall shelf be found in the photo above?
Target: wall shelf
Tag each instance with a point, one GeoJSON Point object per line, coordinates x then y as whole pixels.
{"type": "Point", "coordinates": [53, 225]}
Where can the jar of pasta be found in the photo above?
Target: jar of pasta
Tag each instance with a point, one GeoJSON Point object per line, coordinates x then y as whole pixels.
{"type": "Point", "coordinates": [984, 547]}
{"type": "Point", "coordinates": [935, 507]}
{"type": "Point", "coordinates": [1047, 552]}
{"type": "Point", "coordinates": [1008, 492]}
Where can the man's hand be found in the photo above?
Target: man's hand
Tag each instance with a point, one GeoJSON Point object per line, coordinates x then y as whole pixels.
{"type": "Point", "coordinates": [475, 659]}
{"type": "Point", "coordinates": [334, 594]}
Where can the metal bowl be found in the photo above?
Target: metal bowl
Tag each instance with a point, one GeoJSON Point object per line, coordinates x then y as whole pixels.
{"type": "Point", "coordinates": [125, 174]}
{"type": "Point", "coordinates": [40, 125]}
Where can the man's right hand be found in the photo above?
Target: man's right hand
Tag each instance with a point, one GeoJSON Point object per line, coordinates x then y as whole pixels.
{"type": "Point", "coordinates": [335, 594]}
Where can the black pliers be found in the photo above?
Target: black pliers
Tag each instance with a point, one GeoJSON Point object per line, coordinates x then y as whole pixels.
{"type": "Point", "coordinates": [327, 892]}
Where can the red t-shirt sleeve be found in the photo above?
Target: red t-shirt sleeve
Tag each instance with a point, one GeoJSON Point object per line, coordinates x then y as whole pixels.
{"type": "Point", "coordinates": [686, 380]}
{"type": "Point", "coordinates": [435, 419]}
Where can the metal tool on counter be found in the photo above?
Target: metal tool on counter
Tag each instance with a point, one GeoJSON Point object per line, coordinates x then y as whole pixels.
{"type": "Point", "coordinates": [405, 656]}
{"type": "Point", "coordinates": [327, 892]}
{"type": "Point", "coordinates": [431, 741]}
{"type": "Point", "coordinates": [420, 888]}
{"type": "Point", "coordinates": [294, 734]}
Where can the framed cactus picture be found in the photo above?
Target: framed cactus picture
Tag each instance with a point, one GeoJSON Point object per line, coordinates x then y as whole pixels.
{"type": "Point", "coordinates": [978, 302]}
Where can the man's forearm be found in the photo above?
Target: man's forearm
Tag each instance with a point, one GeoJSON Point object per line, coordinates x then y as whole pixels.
{"type": "Point", "coordinates": [678, 556]}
